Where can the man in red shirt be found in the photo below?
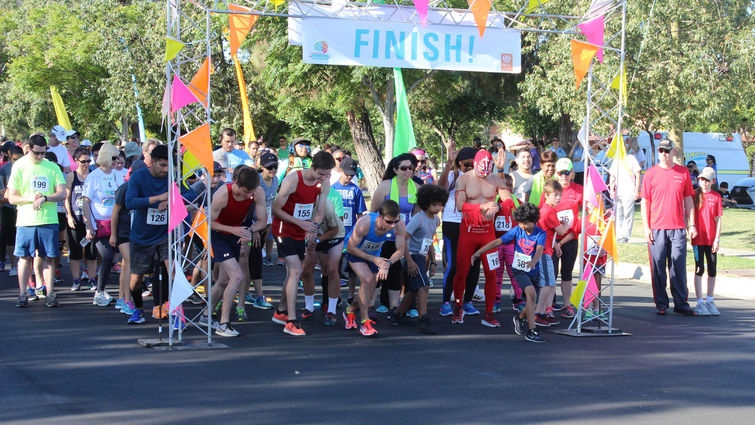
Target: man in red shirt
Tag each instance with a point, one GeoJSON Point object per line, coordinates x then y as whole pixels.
{"type": "Point", "coordinates": [667, 213]}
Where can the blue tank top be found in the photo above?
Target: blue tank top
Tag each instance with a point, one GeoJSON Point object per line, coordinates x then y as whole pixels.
{"type": "Point", "coordinates": [373, 243]}
{"type": "Point", "coordinates": [405, 210]}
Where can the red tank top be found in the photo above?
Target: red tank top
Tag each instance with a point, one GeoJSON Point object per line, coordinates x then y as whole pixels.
{"type": "Point", "coordinates": [235, 211]}
{"type": "Point", "coordinates": [300, 204]}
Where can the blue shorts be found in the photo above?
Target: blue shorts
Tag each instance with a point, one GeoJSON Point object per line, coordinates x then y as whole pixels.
{"type": "Point", "coordinates": [547, 273]}
{"type": "Point", "coordinates": [354, 259]}
{"type": "Point", "coordinates": [421, 280]}
{"type": "Point", "coordinates": [42, 239]}
{"type": "Point", "coordinates": [225, 247]}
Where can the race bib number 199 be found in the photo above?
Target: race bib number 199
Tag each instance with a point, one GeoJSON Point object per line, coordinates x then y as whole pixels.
{"type": "Point", "coordinates": [156, 217]}
{"type": "Point", "coordinates": [303, 211]}
{"type": "Point", "coordinates": [40, 184]}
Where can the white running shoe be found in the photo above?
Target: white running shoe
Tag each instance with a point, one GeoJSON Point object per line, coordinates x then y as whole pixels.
{"type": "Point", "coordinates": [711, 306]}
{"type": "Point", "coordinates": [701, 309]}
{"type": "Point", "coordinates": [226, 330]}
{"type": "Point", "coordinates": [203, 323]}
{"type": "Point", "coordinates": [479, 296]}
{"type": "Point", "coordinates": [107, 297]}
{"type": "Point", "coordinates": [99, 299]}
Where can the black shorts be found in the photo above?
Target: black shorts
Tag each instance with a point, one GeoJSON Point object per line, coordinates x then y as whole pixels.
{"type": "Point", "coordinates": [324, 246]}
{"type": "Point", "coordinates": [421, 280]}
{"type": "Point", "coordinates": [62, 222]}
{"type": "Point", "coordinates": [143, 256]}
{"type": "Point", "coordinates": [370, 264]}
{"type": "Point", "coordinates": [290, 246]}
{"type": "Point", "coordinates": [225, 247]}
{"type": "Point", "coordinates": [121, 240]}
{"type": "Point", "coordinates": [524, 280]}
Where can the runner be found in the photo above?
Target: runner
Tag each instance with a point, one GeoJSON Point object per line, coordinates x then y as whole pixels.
{"type": "Point", "coordinates": [365, 259]}
{"type": "Point", "coordinates": [119, 239]}
{"type": "Point", "coordinates": [269, 183]}
{"type": "Point", "coordinates": [8, 224]}
{"type": "Point", "coordinates": [229, 207]}
{"type": "Point", "coordinates": [35, 186]}
{"type": "Point", "coordinates": [297, 212]}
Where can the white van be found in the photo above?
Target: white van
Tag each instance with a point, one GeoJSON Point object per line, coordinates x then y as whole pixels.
{"type": "Point", "coordinates": [731, 159]}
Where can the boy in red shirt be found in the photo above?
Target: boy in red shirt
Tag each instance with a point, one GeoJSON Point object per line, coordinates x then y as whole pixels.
{"type": "Point", "coordinates": [550, 223]}
{"type": "Point", "coordinates": [708, 212]}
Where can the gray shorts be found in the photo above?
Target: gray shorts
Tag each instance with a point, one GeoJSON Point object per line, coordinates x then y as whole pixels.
{"type": "Point", "coordinates": [143, 256]}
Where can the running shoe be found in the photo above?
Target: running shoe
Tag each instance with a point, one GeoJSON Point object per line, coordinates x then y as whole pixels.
{"type": "Point", "coordinates": [249, 299]}
{"type": "Point", "coordinates": [116, 268]}
{"type": "Point", "coordinates": [412, 313]}
{"type": "Point", "coordinates": [99, 299]}
{"type": "Point", "coordinates": [519, 307]}
{"type": "Point", "coordinates": [424, 326]}
{"type": "Point", "coordinates": [119, 303]}
{"type": "Point", "coordinates": [107, 296]}
{"type": "Point", "coordinates": [23, 301]}
{"type": "Point", "coordinates": [490, 321]}
{"type": "Point", "coordinates": [701, 309]}
{"type": "Point", "coordinates": [554, 321]}
{"type": "Point", "coordinates": [281, 262]}
{"type": "Point", "coordinates": [534, 336]}
{"type": "Point", "coordinates": [661, 311]}
{"type": "Point", "coordinates": [568, 313]}
{"type": "Point", "coordinates": [261, 303]}
{"type": "Point", "coordinates": [31, 293]}
{"type": "Point", "coordinates": [330, 319]}
{"type": "Point", "coordinates": [40, 291]}
{"type": "Point", "coordinates": [351, 319]}
{"type": "Point", "coordinates": [366, 329]}
{"type": "Point", "coordinates": [520, 327]}
{"type": "Point", "coordinates": [13, 271]}
{"type": "Point", "coordinates": [684, 311]}
{"type": "Point", "coordinates": [446, 310]}
{"type": "Point", "coordinates": [137, 317]}
{"type": "Point", "coordinates": [711, 306]}
{"type": "Point", "coordinates": [497, 307]}
{"type": "Point", "coordinates": [92, 285]}
{"type": "Point", "coordinates": [280, 318]}
{"type": "Point", "coordinates": [241, 314]}
{"type": "Point", "coordinates": [395, 317]}
{"type": "Point", "coordinates": [469, 310]}
{"type": "Point", "coordinates": [128, 308]}
{"type": "Point", "coordinates": [203, 322]}
{"type": "Point", "coordinates": [84, 275]}
{"type": "Point", "coordinates": [478, 296]}
{"type": "Point", "coordinates": [556, 306]}
{"type": "Point", "coordinates": [592, 314]}
{"type": "Point", "coordinates": [58, 276]}
{"type": "Point", "coordinates": [542, 321]}
{"type": "Point", "coordinates": [158, 314]}
{"type": "Point", "coordinates": [382, 309]}
{"type": "Point", "coordinates": [306, 314]}
{"type": "Point", "coordinates": [458, 314]}
{"type": "Point", "coordinates": [267, 262]}
{"type": "Point", "coordinates": [294, 328]}
{"type": "Point", "coordinates": [76, 285]}
{"type": "Point", "coordinates": [51, 301]}
{"type": "Point", "coordinates": [226, 330]}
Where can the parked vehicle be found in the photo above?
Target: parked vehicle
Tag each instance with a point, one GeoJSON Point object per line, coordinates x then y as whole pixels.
{"type": "Point", "coordinates": [744, 193]}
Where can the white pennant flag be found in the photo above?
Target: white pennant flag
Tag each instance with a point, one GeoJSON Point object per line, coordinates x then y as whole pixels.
{"type": "Point", "coordinates": [582, 135]}
{"type": "Point", "coordinates": [181, 289]}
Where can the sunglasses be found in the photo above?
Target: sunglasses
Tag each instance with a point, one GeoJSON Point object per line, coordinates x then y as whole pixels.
{"type": "Point", "coordinates": [564, 173]}
{"type": "Point", "coordinates": [38, 153]}
{"type": "Point", "coordinates": [391, 221]}
{"type": "Point", "coordinates": [338, 158]}
{"type": "Point", "coordinates": [664, 150]}
{"type": "Point", "coordinates": [114, 158]}
{"type": "Point", "coordinates": [272, 167]}
{"type": "Point", "coordinates": [84, 162]}
{"type": "Point", "coordinates": [468, 164]}
{"type": "Point", "coordinates": [405, 168]}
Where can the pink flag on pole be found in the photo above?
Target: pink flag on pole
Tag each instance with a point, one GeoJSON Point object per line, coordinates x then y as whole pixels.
{"type": "Point", "coordinates": [178, 209]}
{"type": "Point", "coordinates": [180, 95]}
{"type": "Point", "coordinates": [591, 289]}
{"type": "Point", "coordinates": [421, 6]}
{"type": "Point", "coordinates": [593, 31]}
{"type": "Point", "coordinates": [594, 184]}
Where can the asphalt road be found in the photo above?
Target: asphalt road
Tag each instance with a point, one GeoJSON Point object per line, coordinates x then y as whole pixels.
{"type": "Point", "coordinates": [81, 364]}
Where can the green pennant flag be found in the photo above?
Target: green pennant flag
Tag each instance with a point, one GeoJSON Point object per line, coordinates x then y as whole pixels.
{"type": "Point", "coordinates": [403, 138]}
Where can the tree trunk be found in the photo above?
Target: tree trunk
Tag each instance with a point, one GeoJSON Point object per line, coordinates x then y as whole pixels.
{"type": "Point", "coordinates": [566, 134]}
{"type": "Point", "coordinates": [652, 153]}
{"type": "Point", "coordinates": [677, 136]}
{"type": "Point", "coordinates": [365, 146]}
{"type": "Point", "coordinates": [125, 124]}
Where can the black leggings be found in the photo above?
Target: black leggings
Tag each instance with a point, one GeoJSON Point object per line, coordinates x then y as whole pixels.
{"type": "Point", "coordinates": [450, 243]}
{"type": "Point", "coordinates": [703, 254]}
{"type": "Point", "coordinates": [395, 274]}
{"type": "Point", "coordinates": [106, 253]}
{"type": "Point", "coordinates": [567, 259]}
{"type": "Point", "coordinates": [7, 230]}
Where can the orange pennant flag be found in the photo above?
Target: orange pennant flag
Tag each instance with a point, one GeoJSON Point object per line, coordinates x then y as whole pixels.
{"type": "Point", "coordinates": [199, 227]}
{"type": "Point", "coordinates": [480, 10]}
{"type": "Point", "coordinates": [200, 84]}
{"type": "Point", "coordinates": [581, 56]}
{"type": "Point", "coordinates": [239, 25]}
{"type": "Point", "coordinates": [608, 241]}
{"type": "Point", "coordinates": [198, 142]}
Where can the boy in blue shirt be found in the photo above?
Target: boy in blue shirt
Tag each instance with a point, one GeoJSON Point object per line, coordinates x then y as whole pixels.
{"type": "Point", "coordinates": [528, 248]}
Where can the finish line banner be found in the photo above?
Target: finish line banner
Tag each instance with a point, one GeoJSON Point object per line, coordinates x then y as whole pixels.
{"type": "Point", "coordinates": [334, 41]}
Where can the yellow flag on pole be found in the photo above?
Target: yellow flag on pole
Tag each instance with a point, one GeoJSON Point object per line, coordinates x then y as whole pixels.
{"type": "Point", "coordinates": [248, 127]}
{"type": "Point", "coordinates": [172, 47]}
{"type": "Point", "coordinates": [620, 83]}
{"type": "Point", "coordinates": [60, 109]}
{"type": "Point", "coordinates": [534, 4]}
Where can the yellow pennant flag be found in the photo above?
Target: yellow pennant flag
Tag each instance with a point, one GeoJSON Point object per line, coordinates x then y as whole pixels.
{"type": "Point", "coordinates": [60, 109]}
{"type": "Point", "coordinates": [581, 56]}
{"type": "Point", "coordinates": [190, 164]}
{"type": "Point", "coordinates": [248, 127]}
{"type": "Point", "coordinates": [617, 149]}
{"type": "Point", "coordinates": [172, 47]}
{"type": "Point", "coordinates": [277, 3]}
{"type": "Point", "coordinates": [534, 4]}
{"type": "Point", "coordinates": [620, 83]}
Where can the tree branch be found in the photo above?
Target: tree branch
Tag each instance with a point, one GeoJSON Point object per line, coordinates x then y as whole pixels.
{"type": "Point", "coordinates": [419, 80]}
{"type": "Point", "coordinates": [375, 98]}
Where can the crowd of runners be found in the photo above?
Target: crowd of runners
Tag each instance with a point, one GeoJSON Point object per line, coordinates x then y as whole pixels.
{"type": "Point", "coordinates": [107, 208]}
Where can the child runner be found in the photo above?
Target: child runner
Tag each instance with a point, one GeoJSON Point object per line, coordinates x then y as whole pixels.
{"type": "Point", "coordinates": [552, 226]}
{"type": "Point", "coordinates": [708, 212]}
{"type": "Point", "coordinates": [504, 221]}
{"type": "Point", "coordinates": [529, 244]}
{"type": "Point", "coordinates": [418, 248]}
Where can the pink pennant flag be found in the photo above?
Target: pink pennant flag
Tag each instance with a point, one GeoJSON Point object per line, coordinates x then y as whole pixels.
{"type": "Point", "coordinates": [180, 95]}
{"type": "Point", "coordinates": [591, 290]}
{"type": "Point", "coordinates": [421, 6]}
{"type": "Point", "coordinates": [165, 110]}
{"type": "Point", "coordinates": [594, 184]}
{"type": "Point", "coordinates": [178, 209]}
{"type": "Point", "coordinates": [593, 31]}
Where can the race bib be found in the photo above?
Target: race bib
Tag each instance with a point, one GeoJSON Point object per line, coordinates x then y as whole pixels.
{"type": "Point", "coordinates": [61, 206]}
{"type": "Point", "coordinates": [521, 261]}
{"type": "Point", "coordinates": [502, 223]}
{"type": "Point", "coordinates": [157, 218]}
{"type": "Point", "coordinates": [348, 219]}
{"type": "Point", "coordinates": [303, 211]}
{"type": "Point", "coordinates": [426, 244]}
{"type": "Point", "coordinates": [494, 261]}
{"type": "Point", "coordinates": [566, 217]}
{"type": "Point", "coordinates": [369, 246]}
{"type": "Point", "coordinates": [80, 203]}
{"type": "Point", "coordinates": [40, 184]}
{"type": "Point", "coordinates": [269, 209]}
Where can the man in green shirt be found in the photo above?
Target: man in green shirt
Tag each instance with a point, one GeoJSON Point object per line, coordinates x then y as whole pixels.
{"type": "Point", "coordinates": [35, 186]}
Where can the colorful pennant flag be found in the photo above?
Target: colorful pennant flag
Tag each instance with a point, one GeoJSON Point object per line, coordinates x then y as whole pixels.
{"type": "Point", "coordinates": [190, 163]}
{"type": "Point", "coordinates": [165, 109]}
{"type": "Point", "coordinates": [534, 4]}
{"type": "Point", "coordinates": [591, 291]}
{"type": "Point", "coordinates": [239, 25]}
{"type": "Point", "coordinates": [480, 10]}
{"type": "Point", "coordinates": [181, 289]}
{"type": "Point", "coordinates": [596, 216]}
{"type": "Point", "coordinates": [177, 208]}
{"type": "Point", "coordinates": [200, 84]}
{"type": "Point", "coordinates": [403, 137]}
{"type": "Point", "coordinates": [617, 149]}
{"type": "Point", "coordinates": [608, 241]}
{"type": "Point", "coordinates": [180, 95]}
{"type": "Point", "coordinates": [576, 296]}
{"type": "Point", "coordinates": [172, 47]}
{"type": "Point", "coordinates": [593, 31]}
{"type": "Point", "coordinates": [199, 228]}
{"type": "Point", "coordinates": [248, 127]}
{"type": "Point", "coordinates": [620, 83]}
{"type": "Point", "coordinates": [277, 3]}
{"type": "Point", "coordinates": [594, 184]}
{"type": "Point", "coordinates": [198, 142]}
{"type": "Point", "coordinates": [60, 109]}
{"type": "Point", "coordinates": [422, 6]}
{"type": "Point", "coordinates": [581, 56]}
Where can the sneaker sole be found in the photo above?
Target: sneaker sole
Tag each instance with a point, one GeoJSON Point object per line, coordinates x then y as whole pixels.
{"type": "Point", "coordinates": [227, 335]}
{"type": "Point", "coordinates": [534, 340]}
{"type": "Point", "coordinates": [279, 321]}
{"type": "Point", "coordinates": [490, 325]}
{"type": "Point", "coordinates": [542, 325]}
{"type": "Point", "coordinates": [372, 335]}
{"type": "Point", "coordinates": [136, 322]}
{"type": "Point", "coordinates": [442, 314]}
{"type": "Point", "coordinates": [292, 333]}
